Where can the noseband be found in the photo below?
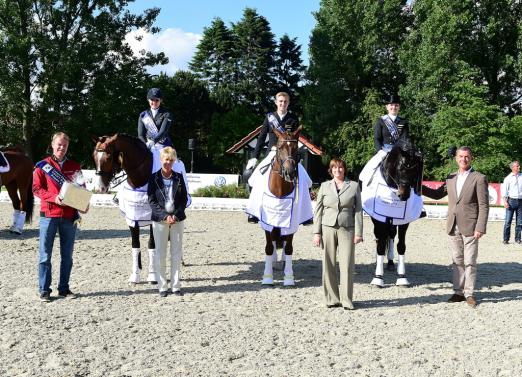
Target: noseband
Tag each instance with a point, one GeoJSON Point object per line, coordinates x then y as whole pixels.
{"type": "Point", "coordinates": [101, 173]}
{"type": "Point", "coordinates": [404, 171]}
{"type": "Point", "coordinates": [281, 171]}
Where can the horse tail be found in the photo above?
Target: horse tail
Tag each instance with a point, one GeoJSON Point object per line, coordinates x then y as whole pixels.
{"type": "Point", "coordinates": [29, 205]}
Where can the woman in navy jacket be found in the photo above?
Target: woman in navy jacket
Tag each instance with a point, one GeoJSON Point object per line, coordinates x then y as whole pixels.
{"type": "Point", "coordinates": [168, 199]}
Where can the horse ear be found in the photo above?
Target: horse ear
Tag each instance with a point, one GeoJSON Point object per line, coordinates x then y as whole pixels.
{"type": "Point", "coordinates": [277, 132]}
{"type": "Point", "coordinates": [296, 132]}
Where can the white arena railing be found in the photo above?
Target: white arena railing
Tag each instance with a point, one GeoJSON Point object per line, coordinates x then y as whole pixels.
{"type": "Point", "coordinates": [239, 205]}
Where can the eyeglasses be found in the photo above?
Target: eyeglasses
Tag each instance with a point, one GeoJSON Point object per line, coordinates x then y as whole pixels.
{"type": "Point", "coordinates": [154, 99]}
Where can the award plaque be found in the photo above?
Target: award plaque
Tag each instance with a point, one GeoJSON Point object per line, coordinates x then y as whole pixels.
{"type": "Point", "coordinates": [75, 196]}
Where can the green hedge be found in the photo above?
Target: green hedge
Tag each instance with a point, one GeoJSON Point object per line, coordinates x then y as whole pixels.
{"type": "Point", "coordinates": [226, 191]}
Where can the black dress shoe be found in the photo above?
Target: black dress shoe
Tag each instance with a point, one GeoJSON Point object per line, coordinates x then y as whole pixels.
{"type": "Point", "coordinates": [163, 293]}
{"type": "Point", "coordinates": [177, 293]}
{"type": "Point", "coordinates": [338, 305]}
{"type": "Point", "coordinates": [457, 298]}
{"type": "Point", "coordinates": [253, 219]}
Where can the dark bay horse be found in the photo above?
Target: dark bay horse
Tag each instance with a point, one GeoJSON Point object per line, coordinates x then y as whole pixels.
{"type": "Point", "coordinates": [402, 170]}
{"type": "Point", "coordinates": [111, 155]}
{"type": "Point", "coordinates": [282, 181]}
{"type": "Point", "coordinates": [18, 181]}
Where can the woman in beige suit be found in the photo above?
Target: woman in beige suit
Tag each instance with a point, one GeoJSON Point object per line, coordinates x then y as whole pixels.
{"type": "Point", "coordinates": [338, 226]}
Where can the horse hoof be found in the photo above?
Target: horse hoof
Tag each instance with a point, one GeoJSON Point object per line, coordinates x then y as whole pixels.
{"type": "Point", "coordinates": [288, 281]}
{"type": "Point", "coordinates": [402, 282]}
{"type": "Point", "coordinates": [135, 278]}
{"type": "Point", "coordinates": [267, 280]}
{"type": "Point", "coordinates": [378, 281]}
{"type": "Point", "coordinates": [15, 230]}
{"type": "Point", "coordinates": [390, 266]}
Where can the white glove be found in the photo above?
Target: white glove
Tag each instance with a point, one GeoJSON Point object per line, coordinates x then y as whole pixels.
{"type": "Point", "coordinates": [251, 163]}
{"type": "Point", "coordinates": [150, 144]}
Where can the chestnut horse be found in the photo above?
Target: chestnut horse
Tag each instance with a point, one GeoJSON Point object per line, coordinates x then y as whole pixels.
{"type": "Point", "coordinates": [19, 181]}
{"type": "Point", "coordinates": [111, 155]}
{"type": "Point", "coordinates": [283, 180]}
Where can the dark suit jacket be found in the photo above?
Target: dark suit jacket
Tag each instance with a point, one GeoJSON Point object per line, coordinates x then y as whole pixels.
{"type": "Point", "coordinates": [163, 121]}
{"type": "Point", "coordinates": [342, 209]}
{"type": "Point", "coordinates": [156, 193]}
{"type": "Point", "coordinates": [470, 210]}
{"type": "Point", "coordinates": [289, 121]}
{"type": "Point", "coordinates": [382, 136]}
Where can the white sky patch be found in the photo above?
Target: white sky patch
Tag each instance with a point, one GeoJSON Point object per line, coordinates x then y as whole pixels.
{"type": "Point", "coordinates": [178, 45]}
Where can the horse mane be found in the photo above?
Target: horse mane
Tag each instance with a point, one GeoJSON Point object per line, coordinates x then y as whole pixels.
{"type": "Point", "coordinates": [18, 148]}
{"type": "Point", "coordinates": [129, 138]}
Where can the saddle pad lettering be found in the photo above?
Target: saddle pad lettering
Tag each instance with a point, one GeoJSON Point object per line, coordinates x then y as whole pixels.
{"type": "Point", "coordinates": [135, 204]}
{"type": "Point", "coordinates": [388, 204]}
{"type": "Point", "coordinates": [276, 212]}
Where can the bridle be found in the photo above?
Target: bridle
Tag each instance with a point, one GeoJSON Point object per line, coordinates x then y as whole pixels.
{"type": "Point", "coordinates": [408, 170]}
{"type": "Point", "coordinates": [115, 167]}
{"type": "Point", "coordinates": [281, 171]}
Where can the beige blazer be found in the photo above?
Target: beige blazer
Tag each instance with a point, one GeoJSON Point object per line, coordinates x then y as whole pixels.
{"type": "Point", "coordinates": [470, 210]}
{"type": "Point", "coordinates": [342, 209]}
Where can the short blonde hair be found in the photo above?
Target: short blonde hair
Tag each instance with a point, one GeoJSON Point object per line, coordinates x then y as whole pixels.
{"type": "Point", "coordinates": [283, 94]}
{"type": "Point", "coordinates": [59, 134]}
{"type": "Point", "coordinates": [170, 152]}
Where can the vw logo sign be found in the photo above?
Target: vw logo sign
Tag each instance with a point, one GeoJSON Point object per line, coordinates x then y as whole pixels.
{"type": "Point", "coordinates": [220, 181]}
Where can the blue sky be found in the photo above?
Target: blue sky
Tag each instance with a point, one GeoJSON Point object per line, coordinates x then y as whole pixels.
{"type": "Point", "coordinates": [182, 24]}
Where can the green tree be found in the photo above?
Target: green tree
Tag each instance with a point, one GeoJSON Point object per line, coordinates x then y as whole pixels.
{"type": "Point", "coordinates": [353, 65]}
{"type": "Point", "coordinates": [254, 50]}
{"type": "Point", "coordinates": [214, 62]}
{"type": "Point", "coordinates": [451, 95]}
{"type": "Point", "coordinates": [53, 56]}
{"type": "Point", "coordinates": [289, 69]}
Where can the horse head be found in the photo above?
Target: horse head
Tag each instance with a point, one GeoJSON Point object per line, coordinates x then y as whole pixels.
{"type": "Point", "coordinates": [105, 161]}
{"type": "Point", "coordinates": [287, 153]}
{"type": "Point", "coordinates": [402, 169]}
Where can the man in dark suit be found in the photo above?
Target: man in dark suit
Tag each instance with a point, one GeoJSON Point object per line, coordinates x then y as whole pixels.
{"type": "Point", "coordinates": [468, 208]}
{"type": "Point", "coordinates": [283, 120]}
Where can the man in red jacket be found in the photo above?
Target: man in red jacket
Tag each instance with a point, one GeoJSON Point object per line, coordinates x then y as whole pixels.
{"type": "Point", "coordinates": [48, 177]}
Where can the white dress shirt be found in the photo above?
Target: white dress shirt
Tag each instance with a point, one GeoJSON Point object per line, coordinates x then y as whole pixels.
{"type": "Point", "coordinates": [512, 186]}
{"type": "Point", "coordinates": [461, 178]}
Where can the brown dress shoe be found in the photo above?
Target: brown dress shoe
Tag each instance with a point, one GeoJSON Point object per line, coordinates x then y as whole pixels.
{"type": "Point", "coordinates": [471, 301]}
{"type": "Point", "coordinates": [456, 298]}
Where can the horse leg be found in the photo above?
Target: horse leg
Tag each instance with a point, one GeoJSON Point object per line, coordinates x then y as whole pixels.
{"type": "Point", "coordinates": [401, 249]}
{"type": "Point", "coordinates": [152, 277]}
{"type": "Point", "coordinates": [18, 214]}
{"type": "Point", "coordinates": [135, 276]}
{"type": "Point", "coordinates": [268, 274]}
{"type": "Point", "coordinates": [288, 250]}
{"type": "Point", "coordinates": [380, 230]}
{"type": "Point", "coordinates": [390, 254]}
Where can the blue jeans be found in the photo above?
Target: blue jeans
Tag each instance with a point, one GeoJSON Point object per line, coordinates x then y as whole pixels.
{"type": "Point", "coordinates": [67, 230]}
{"type": "Point", "coordinates": [515, 207]}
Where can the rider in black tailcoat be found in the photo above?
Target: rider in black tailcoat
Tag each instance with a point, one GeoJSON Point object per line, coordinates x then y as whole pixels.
{"type": "Point", "coordinates": [283, 120]}
{"type": "Point", "coordinates": [390, 127]}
